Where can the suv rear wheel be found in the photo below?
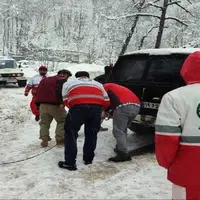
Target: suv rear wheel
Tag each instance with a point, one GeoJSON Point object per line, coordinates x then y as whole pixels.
{"type": "Point", "coordinates": [141, 128]}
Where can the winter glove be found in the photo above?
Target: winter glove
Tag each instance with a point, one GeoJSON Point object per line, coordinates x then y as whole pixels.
{"type": "Point", "coordinates": [107, 116]}
{"type": "Point", "coordinates": [37, 106]}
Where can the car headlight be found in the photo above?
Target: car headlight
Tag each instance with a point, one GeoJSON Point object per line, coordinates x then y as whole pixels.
{"type": "Point", "coordinates": [20, 75]}
{"type": "Point", "coordinates": [0, 75]}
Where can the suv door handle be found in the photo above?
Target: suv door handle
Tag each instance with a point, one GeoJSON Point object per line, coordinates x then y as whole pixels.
{"type": "Point", "coordinates": [156, 98]}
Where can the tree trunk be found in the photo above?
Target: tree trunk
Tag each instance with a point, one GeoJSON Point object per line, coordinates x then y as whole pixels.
{"type": "Point", "coordinates": [128, 39]}
{"type": "Point", "coordinates": [161, 24]}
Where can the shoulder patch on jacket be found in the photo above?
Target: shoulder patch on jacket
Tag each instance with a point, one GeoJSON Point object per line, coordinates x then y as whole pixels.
{"type": "Point", "coordinates": [198, 110]}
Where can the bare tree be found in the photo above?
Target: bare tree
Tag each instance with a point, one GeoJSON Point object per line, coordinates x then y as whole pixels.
{"type": "Point", "coordinates": [163, 18]}
{"type": "Point", "coordinates": [139, 6]}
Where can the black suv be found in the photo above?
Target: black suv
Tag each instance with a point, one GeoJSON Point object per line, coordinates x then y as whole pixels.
{"type": "Point", "coordinates": [150, 74]}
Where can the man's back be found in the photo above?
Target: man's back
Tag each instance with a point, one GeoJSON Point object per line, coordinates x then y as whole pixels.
{"type": "Point", "coordinates": [183, 122]}
{"type": "Point", "coordinates": [49, 90]}
{"type": "Point", "coordinates": [84, 91]}
{"type": "Point", "coordinates": [122, 93]}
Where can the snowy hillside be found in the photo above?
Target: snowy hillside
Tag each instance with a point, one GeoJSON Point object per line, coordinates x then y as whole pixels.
{"type": "Point", "coordinates": [40, 177]}
{"type": "Point", "coordinates": [97, 29]}
{"type": "Point", "coordinates": [32, 68]}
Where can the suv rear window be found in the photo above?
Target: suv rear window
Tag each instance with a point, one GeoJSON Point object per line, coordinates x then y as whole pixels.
{"type": "Point", "coordinates": [129, 68]}
{"type": "Point", "coordinates": [166, 68]}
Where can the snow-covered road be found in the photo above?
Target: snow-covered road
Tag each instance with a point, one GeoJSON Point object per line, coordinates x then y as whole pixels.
{"type": "Point", "coordinates": [40, 178]}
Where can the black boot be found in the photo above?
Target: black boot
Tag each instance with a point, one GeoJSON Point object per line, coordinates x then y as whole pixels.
{"type": "Point", "coordinates": [63, 164]}
{"type": "Point", "coordinates": [116, 150]}
{"type": "Point", "coordinates": [120, 157]}
{"type": "Point", "coordinates": [37, 118]}
{"type": "Point", "coordinates": [87, 162]}
{"type": "Point", "coordinates": [103, 129]}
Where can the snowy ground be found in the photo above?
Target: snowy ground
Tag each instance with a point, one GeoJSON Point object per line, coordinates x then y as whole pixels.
{"type": "Point", "coordinates": [40, 178]}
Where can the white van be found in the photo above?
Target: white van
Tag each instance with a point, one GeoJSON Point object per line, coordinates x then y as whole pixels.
{"type": "Point", "coordinates": [10, 72]}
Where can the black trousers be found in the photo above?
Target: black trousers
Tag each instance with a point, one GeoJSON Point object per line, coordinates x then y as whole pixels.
{"type": "Point", "coordinates": [90, 116]}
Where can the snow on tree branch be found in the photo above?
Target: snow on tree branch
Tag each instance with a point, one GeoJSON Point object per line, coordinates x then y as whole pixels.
{"type": "Point", "coordinates": [156, 1]}
{"type": "Point", "coordinates": [176, 19]}
{"type": "Point", "coordinates": [183, 8]}
{"type": "Point", "coordinates": [130, 15]}
{"type": "Point", "coordinates": [153, 5]}
{"type": "Point", "coordinates": [173, 2]}
{"type": "Point", "coordinates": [189, 1]}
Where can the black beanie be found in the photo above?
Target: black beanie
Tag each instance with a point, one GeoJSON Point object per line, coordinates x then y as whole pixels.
{"type": "Point", "coordinates": [82, 74]}
{"type": "Point", "coordinates": [65, 71]}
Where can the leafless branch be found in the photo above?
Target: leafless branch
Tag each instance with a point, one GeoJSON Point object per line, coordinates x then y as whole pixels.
{"type": "Point", "coordinates": [183, 8]}
{"type": "Point", "coordinates": [175, 19]}
{"type": "Point", "coordinates": [131, 15]}
{"type": "Point", "coordinates": [174, 2]}
{"type": "Point", "coordinates": [189, 1]}
{"type": "Point", "coordinates": [146, 35]}
{"type": "Point", "coordinates": [156, 1]}
{"type": "Point", "coordinates": [153, 5]}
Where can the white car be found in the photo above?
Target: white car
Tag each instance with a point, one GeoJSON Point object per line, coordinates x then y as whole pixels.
{"type": "Point", "coordinates": [10, 72]}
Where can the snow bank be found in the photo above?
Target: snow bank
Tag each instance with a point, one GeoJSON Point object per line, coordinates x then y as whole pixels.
{"type": "Point", "coordinates": [40, 177]}
{"type": "Point", "coordinates": [32, 70]}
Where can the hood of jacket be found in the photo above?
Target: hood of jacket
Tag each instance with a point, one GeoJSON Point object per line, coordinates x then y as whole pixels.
{"type": "Point", "coordinates": [190, 70]}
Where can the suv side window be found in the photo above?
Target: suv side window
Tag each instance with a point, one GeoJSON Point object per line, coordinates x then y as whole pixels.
{"type": "Point", "coordinates": [129, 68]}
{"type": "Point", "coordinates": [165, 68]}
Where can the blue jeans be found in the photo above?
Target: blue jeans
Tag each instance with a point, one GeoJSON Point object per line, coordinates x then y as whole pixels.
{"type": "Point", "coordinates": [88, 115]}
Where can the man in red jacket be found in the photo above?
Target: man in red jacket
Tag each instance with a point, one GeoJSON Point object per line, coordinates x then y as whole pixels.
{"type": "Point", "coordinates": [124, 106]}
{"type": "Point", "coordinates": [178, 133]}
{"type": "Point", "coordinates": [50, 103]}
{"type": "Point", "coordinates": [85, 99]}
{"type": "Point", "coordinates": [32, 86]}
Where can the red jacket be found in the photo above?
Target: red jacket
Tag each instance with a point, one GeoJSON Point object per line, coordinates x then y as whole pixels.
{"type": "Point", "coordinates": [84, 91]}
{"type": "Point", "coordinates": [49, 91]}
{"type": "Point", "coordinates": [178, 128]}
{"type": "Point", "coordinates": [120, 95]}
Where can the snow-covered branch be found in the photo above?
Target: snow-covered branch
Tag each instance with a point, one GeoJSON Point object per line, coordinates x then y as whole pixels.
{"type": "Point", "coordinates": [173, 2]}
{"type": "Point", "coordinates": [130, 15]}
{"type": "Point", "coordinates": [153, 5]}
{"type": "Point", "coordinates": [183, 8]}
{"type": "Point", "coordinates": [176, 19]}
{"type": "Point", "coordinates": [189, 1]}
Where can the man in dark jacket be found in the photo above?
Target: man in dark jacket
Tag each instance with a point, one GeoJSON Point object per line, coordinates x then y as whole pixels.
{"type": "Point", "coordinates": [50, 103]}
{"type": "Point", "coordinates": [102, 79]}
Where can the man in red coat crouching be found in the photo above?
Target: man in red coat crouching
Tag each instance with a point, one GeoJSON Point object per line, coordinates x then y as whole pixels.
{"type": "Point", "coordinates": [124, 106]}
{"type": "Point", "coordinates": [178, 133]}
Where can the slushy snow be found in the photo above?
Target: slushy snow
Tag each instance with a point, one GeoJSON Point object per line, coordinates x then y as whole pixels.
{"type": "Point", "coordinates": [40, 177]}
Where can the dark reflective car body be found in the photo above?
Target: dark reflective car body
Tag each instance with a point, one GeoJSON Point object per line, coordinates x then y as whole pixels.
{"type": "Point", "coordinates": [150, 74]}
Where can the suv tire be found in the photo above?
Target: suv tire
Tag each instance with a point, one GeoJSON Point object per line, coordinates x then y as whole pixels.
{"type": "Point", "coordinates": [141, 129]}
